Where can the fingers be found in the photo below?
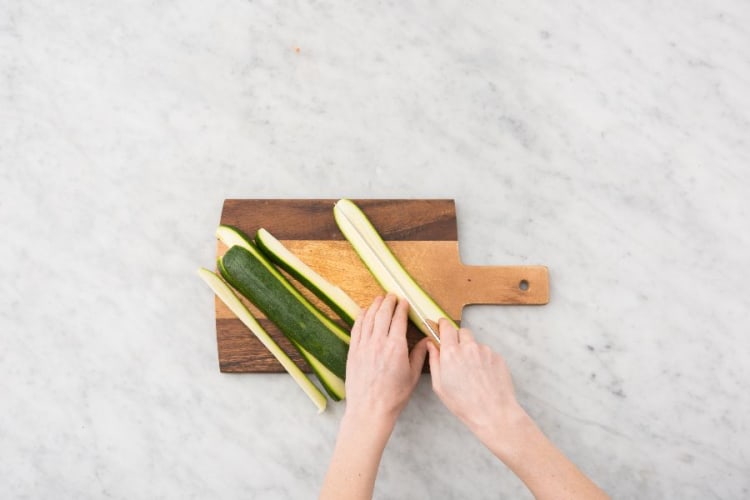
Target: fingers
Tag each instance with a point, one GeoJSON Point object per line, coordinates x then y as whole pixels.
{"type": "Point", "coordinates": [368, 321]}
{"type": "Point", "coordinates": [434, 366]}
{"type": "Point", "coordinates": [416, 359]}
{"type": "Point", "coordinates": [486, 353]}
{"type": "Point", "coordinates": [399, 321]}
{"type": "Point", "coordinates": [356, 332]}
{"type": "Point", "coordinates": [448, 334]}
{"type": "Point", "coordinates": [384, 315]}
{"type": "Point", "coordinates": [465, 336]}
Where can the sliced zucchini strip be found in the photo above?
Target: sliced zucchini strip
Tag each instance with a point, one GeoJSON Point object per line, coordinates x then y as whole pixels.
{"type": "Point", "coordinates": [256, 278]}
{"type": "Point", "coordinates": [333, 296]}
{"type": "Point", "coordinates": [225, 293]}
{"type": "Point", "coordinates": [383, 265]}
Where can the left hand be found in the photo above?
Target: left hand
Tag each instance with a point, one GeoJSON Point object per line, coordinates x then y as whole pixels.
{"type": "Point", "coordinates": [380, 372]}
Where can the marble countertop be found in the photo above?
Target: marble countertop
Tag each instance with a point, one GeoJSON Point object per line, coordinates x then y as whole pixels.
{"type": "Point", "coordinates": [608, 141]}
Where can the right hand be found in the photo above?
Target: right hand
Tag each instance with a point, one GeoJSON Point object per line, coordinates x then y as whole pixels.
{"type": "Point", "coordinates": [474, 384]}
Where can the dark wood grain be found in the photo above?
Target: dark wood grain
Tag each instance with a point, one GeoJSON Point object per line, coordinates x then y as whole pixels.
{"type": "Point", "coordinates": [396, 220]}
{"type": "Point", "coordinates": [422, 233]}
{"type": "Point", "coordinates": [241, 352]}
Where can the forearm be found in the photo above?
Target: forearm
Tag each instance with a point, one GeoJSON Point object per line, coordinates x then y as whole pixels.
{"type": "Point", "coordinates": [356, 457]}
{"type": "Point", "coordinates": [538, 463]}
{"type": "Point", "coordinates": [380, 376]}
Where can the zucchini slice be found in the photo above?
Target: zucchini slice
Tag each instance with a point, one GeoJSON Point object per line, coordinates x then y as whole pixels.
{"type": "Point", "coordinates": [333, 385]}
{"type": "Point", "coordinates": [333, 296]}
{"type": "Point", "coordinates": [225, 293]}
{"type": "Point", "coordinates": [384, 266]}
{"type": "Point", "coordinates": [255, 277]}
{"type": "Point", "coordinates": [231, 236]}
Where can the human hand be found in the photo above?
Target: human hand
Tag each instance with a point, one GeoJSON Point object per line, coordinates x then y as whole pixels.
{"type": "Point", "coordinates": [380, 372]}
{"type": "Point", "coordinates": [474, 383]}
{"type": "Point", "coordinates": [471, 380]}
{"type": "Point", "coordinates": [380, 377]}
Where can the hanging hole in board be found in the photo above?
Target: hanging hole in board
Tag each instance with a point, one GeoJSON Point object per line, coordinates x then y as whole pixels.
{"type": "Point", "coordinates": [523, 285]}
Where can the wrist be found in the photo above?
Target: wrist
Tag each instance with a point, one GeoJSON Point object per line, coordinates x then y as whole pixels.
{"type": "Point", "coordinates": [378, 425]}
{"type": "Point", "coordinates": [506, 434]}
{"type": "Point", "coordinates": [369, 417]}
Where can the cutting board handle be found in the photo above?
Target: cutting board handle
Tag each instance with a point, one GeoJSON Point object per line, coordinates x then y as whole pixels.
{"type": "Point", "coordinates": [504, 284]}
{"type": "Point", "coordinates": [423, 235]}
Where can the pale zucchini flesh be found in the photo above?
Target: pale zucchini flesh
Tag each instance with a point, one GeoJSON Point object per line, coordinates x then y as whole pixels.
{"type": "Point", "coordinates": [333, 385]}
{"type": "Point", "coordinates": [256, 278]}
{"type": "Point", "coordinates": [231, 236]}
{"type": "Point", "coordinates": [225, 293]}
{"type": "Point", "coordinates": [333, 296]}
{"type": "Point", "coordinates": [383, 265]}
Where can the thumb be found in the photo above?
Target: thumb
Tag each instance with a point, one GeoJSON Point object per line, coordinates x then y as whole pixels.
{"type": "Point", "coordinates": [434, 365]}
{"type": "Point", "coordinates": [416, 358]}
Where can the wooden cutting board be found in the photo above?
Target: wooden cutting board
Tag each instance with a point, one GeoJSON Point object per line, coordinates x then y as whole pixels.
{"type": "Point", "coordinates": [421, 233]}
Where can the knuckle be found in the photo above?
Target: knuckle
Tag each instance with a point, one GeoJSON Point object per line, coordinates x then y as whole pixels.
{"type": "Point", "coordinates": [448, 352]}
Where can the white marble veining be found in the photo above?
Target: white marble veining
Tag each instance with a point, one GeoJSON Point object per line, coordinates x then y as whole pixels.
{"type": "Point", "coordinates": [607, 140]}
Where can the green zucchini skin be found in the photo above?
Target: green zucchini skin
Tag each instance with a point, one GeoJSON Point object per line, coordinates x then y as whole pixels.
{"type": "Point", "coordinates": [224, 292]}
{"type": "Point", "coordinates": [232, 236]}
{"type": "Point", "coordinates": [341, 311]}
{"type": "Point", "coordinates": [255, 277]}
{"type": "Point", "coordinates": [368, 243]}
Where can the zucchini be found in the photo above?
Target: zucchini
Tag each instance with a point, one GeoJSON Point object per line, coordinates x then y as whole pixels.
{"type": "Point", "coordinates": [384, 266]}
{"type": "Point", "coordinates": [322, 342]}
{"type": "Point", "coordinates": [231, 236]}
{"type": "Point", "coordinates": [225, 293]}
{"type": "Point", "coordinates": [333, 296]}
